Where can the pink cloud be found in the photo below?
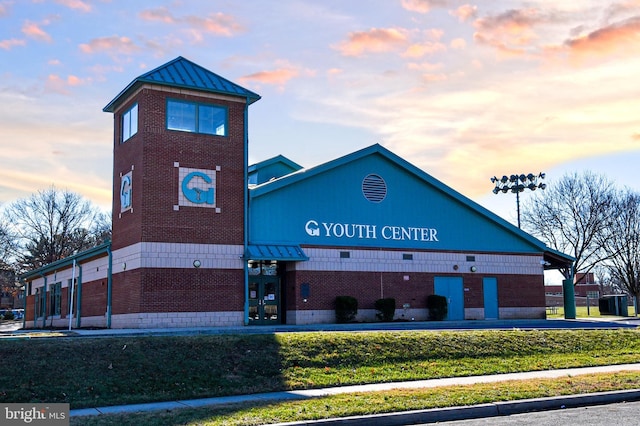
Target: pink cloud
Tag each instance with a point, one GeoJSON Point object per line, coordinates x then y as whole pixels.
{"type": "Point", "coordinates": [161, 14]}
{"type": "Point", "coordinates": [277, 77]}
{"type": "Point", "coordinates": [376, 40]}
{"type": "Point", "coordinates": [197, 26]}
{"type": "Point", "coordinates": [422, 6]}
{"type": "Point", "coordinates": [33, 30]}
{"type": "Point", "coordinates": [434, 77]}
{"type": "Point", "coordinates": [512, 33]}
{"type": "Point", "coordinates": [424, 67]}
{"type": "Point", "coordinates": [615, 37]}
{"type": "Point", "coordinates": [218, 23]}
{"type": "Point", "coordinates": [458, 43]}
{"type": "Point", "coordinates": [56, 84]}
{"type": "Point", "coordinates": [72, 80]}
{"type": "Point", "coordinates": [109, 44]}
{"type": "Point", "coordinates": [511, 21]}
{"type": "Point", "coordinates": [465, 12]}
{"type": "Point", "coordinates": [3, 10]}
{"type": "Point", "coordinates": [503, 48]}
{"type": "Point", "coordinates": [422, 49]}
{"type": "Point", "coordinates": [76, 5]}
{"type": "Point", "coordinates": [9, 44]}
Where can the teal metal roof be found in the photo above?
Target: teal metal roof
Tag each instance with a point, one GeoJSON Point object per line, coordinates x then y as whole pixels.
{"type": "Point", "coordinates": [183, 73]}
{"type": "Point", "coordinates": [275, 252]}
{"type": "Point", "coordinates": [96, 251]}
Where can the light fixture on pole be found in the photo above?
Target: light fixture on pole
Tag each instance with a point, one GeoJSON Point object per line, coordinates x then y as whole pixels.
{"type": "Point", "coordinates": [517, 184]}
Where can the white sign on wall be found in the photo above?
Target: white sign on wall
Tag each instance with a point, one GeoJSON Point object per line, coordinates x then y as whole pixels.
{"type": "Point", "coordinates": [314, 228]}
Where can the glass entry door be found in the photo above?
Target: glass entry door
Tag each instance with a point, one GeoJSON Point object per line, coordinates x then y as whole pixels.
{"type": "Point", "coordinates": [264, 300]}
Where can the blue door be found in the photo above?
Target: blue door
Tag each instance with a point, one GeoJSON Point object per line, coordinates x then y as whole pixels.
{"type": "Point", "coordinates": [452, 289]}
{"type": "Point", "coordinates": [490, 290]}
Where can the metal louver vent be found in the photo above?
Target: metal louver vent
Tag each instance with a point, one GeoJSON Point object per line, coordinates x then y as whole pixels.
{"type": "Point", "coordinates": [374, 188]}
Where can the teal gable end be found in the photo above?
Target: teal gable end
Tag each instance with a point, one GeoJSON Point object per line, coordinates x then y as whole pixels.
{"type": "Point", "coordinates": [373, 198]}
{"type": "Point", "coordinates": [270, 169]}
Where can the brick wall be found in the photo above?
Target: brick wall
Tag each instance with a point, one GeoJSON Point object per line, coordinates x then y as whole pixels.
{"type": "Point", "coordinates": [178, 290]}
{"type": "Point", "coordinates": [520, 291]}
{"type": "Point", "coordinates": [153, 151]}
{"type": "Point", "coordinates": [513, 290]}
{"type": "Point", "coordinates": [94, 298]}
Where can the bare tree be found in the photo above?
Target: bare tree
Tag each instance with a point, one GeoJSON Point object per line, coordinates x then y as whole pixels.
{"type": "Point", "coordinates": [7, 244]}
{"type": "Point", "coordinates": [570, 215]}
{"type": "Point", "coordinates": [622, 239]}
{"type": "Point", "coordinates": [51, 225]}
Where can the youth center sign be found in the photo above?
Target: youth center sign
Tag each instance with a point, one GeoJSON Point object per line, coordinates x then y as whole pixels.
{"type": "Point", "coordinates": [358, 231]}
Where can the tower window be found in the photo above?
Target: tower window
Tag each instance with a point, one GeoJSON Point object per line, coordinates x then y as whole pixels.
{"type": "Point", "coordinates": [130, 122]}
{"type": "Point", "coordinates": [196, 118]}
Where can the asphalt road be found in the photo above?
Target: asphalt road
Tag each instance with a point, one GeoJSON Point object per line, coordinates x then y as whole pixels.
{"type": "Point", "coordinates": [623, 414]}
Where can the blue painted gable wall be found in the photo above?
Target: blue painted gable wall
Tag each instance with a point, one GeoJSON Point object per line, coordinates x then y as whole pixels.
{"type": "Point", "coordinates": [271, 169]}
{"type": "Point", "coordinates": [414, 215]}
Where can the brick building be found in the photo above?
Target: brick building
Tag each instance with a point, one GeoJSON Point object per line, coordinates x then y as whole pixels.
{"type": "Point", "coordinates": [202, 238]}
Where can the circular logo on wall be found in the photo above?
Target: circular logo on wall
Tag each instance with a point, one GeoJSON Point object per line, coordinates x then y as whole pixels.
{"type": "Point", "coordinates": [312, 228]}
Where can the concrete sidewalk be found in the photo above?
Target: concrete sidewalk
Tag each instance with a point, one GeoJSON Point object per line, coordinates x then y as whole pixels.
{"type": "Point", "coordinates": [410, 417]}
{"type": "Point", "coordinates": [14, 329]}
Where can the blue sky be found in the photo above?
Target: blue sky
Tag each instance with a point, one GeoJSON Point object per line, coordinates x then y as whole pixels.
{"type": "Point", "coordinates": [463, 90]}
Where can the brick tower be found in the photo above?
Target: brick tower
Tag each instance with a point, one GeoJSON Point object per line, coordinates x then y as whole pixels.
{"type": "Point", "coordinates": [179, 198]}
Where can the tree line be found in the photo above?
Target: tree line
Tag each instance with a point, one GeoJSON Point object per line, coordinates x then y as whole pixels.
{"type": "Point", "coordinates": [47, 226]}
{"type": "Point", "coordinates": [586, 216]}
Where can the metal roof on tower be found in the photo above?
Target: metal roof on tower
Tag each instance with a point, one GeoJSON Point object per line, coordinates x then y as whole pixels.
{"type": "Point", "coordinates": [183, 73]}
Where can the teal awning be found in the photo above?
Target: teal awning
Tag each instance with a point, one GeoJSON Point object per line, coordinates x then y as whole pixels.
{"type": "Point", "coordinates": [275, 252]}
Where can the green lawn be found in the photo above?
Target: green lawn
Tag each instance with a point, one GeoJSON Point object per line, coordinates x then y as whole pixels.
{"type": "Point", "coordinates": [91, 372]}
{"type": "Point", "coordinates": [369, 403]}
{"type": "Point", "coordinates": [592, 312]}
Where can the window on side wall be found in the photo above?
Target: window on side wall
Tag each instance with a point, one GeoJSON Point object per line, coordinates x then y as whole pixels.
{"type": "Point", "coordinates": [39, 302]}
{"type": "Point", "coordinates": [196, 117]}
{"type": "Point", "coordinates": [56, 295]}
{"type": "Point", "coordinates": [130, 122]}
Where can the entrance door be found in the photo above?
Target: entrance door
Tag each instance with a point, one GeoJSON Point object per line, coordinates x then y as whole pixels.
{"type": "Point", "coordinates": [264, 300]}
{"type": "Point", "coordinates": [452, 289]}
{"type": "Point", "coordinates": [490, 290]}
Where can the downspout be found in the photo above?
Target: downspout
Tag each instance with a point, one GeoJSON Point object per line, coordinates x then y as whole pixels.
{"type": "Point", "coordinates": [79, 297]}
{"type": "Point", "coordinates": [43, 302]}
{"type": "Point", "coordinates": [109, 286]}
{"type": "Point", "coordinates": [24, 304]}
{"type": "Point", "coordinates": [245, 174]}
{"type": "Point", "coordinates": [72, 287]}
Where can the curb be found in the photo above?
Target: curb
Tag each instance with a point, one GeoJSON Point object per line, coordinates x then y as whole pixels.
{"type": "Point", "coordinates": [496, 409]}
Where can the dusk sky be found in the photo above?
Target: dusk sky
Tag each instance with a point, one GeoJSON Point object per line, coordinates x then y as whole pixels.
{"type": "Point", "coordinates": [463, 90]}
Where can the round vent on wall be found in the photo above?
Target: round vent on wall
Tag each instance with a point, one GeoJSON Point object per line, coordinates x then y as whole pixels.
{"type": "Point", "coordinates": [374, 188]}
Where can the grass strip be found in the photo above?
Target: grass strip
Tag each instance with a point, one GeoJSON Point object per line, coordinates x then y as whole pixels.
{"type": "Point", "coordinates": [93, 372]}
{"type": "Point", "coordinates": [372, 402]}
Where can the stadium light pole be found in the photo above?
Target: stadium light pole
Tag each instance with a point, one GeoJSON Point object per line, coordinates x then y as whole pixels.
{"type": "Point", "coordinates": [517, 184]}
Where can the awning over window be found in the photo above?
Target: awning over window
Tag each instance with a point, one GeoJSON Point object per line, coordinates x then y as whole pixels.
{"type": "Point", "coordinates": [275, 252]}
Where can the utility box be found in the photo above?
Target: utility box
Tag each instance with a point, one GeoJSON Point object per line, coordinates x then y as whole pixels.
{"type": "Point", "coordinates": [614, 304]}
